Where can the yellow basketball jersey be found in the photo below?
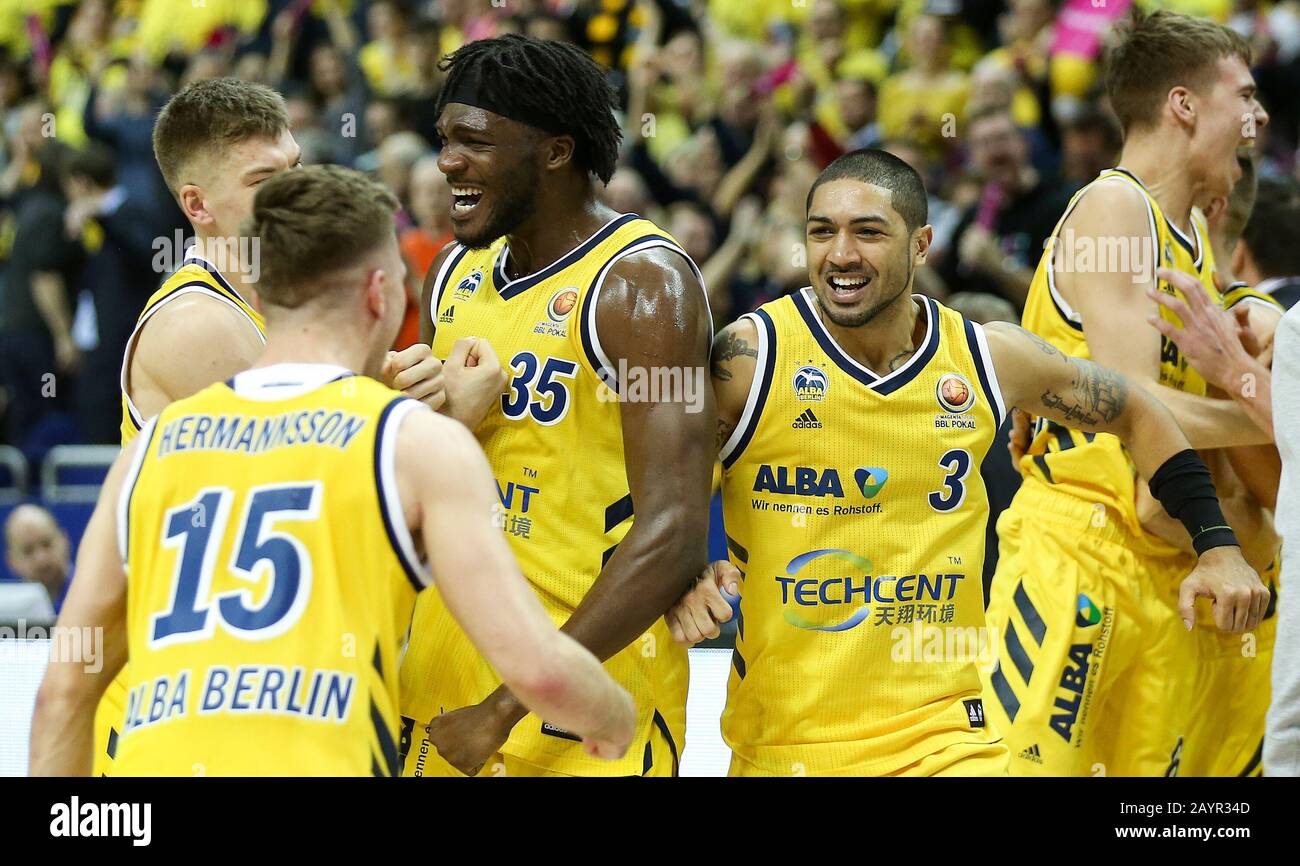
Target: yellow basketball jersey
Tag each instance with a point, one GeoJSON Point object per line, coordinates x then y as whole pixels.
{"type": "Point", "coordinates": [556, 450]}
{"type": "Point", "coordinates": [854, 506]}
{"type": "Point", "coordinates": [195, 275]}
{"type": "Point", "coordinates": [270, 579]}
{"type": "Point", "coordinates": [1096, 467]}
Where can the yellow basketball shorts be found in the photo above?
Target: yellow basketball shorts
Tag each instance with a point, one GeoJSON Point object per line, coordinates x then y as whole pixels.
{"type": "Point", "coordinates": [108, 721]}
{"type": "Point", "coordinates": [1094, 665]}
{"type": "Point", "coordinates": [420, 757]}
{"type": "Point", "coordinates": [958, 759]}
{"type": "Point", "coordinates": [1229, 699]}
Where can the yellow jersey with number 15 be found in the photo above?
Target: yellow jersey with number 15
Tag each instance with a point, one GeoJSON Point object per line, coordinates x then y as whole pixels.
{"type": "Point", "coordinates": [195, 275]}
{"type": "Point", "coordinates": [854, 506]}
{"type": "Point", "coordinates": [556, 449]}
{"type": "Point", "coordinates": [1095, 467]}
{"type": "Point", "coordinates": [270, 579]}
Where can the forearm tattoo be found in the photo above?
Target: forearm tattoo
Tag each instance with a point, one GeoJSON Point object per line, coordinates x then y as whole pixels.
{"type": "Point", "coordinates": [1097, 394]}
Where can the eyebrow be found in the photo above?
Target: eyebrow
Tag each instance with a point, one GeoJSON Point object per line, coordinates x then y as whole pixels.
{"type": "Point", "coordinates": [463, 125]}
{"type": "Point", "coordinates": [869, 218]}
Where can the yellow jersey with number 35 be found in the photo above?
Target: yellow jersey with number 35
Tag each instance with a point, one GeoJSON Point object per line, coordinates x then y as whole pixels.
{"type": "Point", "coordinates": [270, 579]}
{"type": "Point", "coordinates": [854, 507]}
{"type": "Point", "coordinates": [556, 449]}
{"type": "Point", "coordinates": [1095, 467]}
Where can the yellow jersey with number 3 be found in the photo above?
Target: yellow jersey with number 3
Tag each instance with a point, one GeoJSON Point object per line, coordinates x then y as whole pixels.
{"type": "Point", "coordinates": [1096, 467]}
{"type": "Point", "coordinates": [854, 507]}
{"type": "Point", "coordinates": [195, 275]}
{"type": "Point", "coordinates": [556, 449]}
{"type": "Point", "coordinates": [270, 579]}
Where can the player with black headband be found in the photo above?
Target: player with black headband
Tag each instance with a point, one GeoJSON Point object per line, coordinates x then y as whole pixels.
{"type": "Point", "coordinates": [600, 445]}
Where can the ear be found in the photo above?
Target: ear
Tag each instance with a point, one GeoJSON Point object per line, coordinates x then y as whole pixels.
{"type": "Point", "coordinates": [559, 151]}
{"type": "Point", "coordinates": [1180, 103]}
{"type": "Point", "coordinates": [194, 205]}
{"type": "Point", "coordinates": [922, 238]}
{"type": "Point", "coordinates": [376, 304]}
{"type": "Point", "coordinates": [1215, 209]}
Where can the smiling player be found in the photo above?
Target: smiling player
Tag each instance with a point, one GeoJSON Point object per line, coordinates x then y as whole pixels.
{"type": "Point", "coordinates": [857, 547]}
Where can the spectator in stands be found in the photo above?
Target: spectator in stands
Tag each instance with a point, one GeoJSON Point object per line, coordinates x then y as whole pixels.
{"type": "Point", "coordinates": [918, 103]}
{"type": "Point", "coordinates": [113, 225]}
{"type": "Point", "coordinates": [37, 550]}
{"type": "Point", "coordinates": [1000, 238]}
{"type": "Point", "coordinates": [122, 118]}
{"type": "Point", "coordinates": [430, 208]}
{"type": "Point", "coordinates": [1090, 143]}
{"type": "Point", "coordinates": [1268, 254]}
{"type": "Point", "coordinates": [38, 356]}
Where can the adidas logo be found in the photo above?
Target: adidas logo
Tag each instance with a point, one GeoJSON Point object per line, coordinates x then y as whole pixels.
{"type": "Point", "coordinates": [807, 421]}
{"type": "Point", "coordinates": [1032, 754]}
{"type": "Point", "coordinates": [448, 314]}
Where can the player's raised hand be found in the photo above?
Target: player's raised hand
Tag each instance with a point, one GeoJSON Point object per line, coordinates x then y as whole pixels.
{"type": "Point", "coordinates": [474, 381]}
{"type": "Point", "coordinates": [416, 373]}
{"type": "Point", "coordinates": [1210, 338]}
{"type": "Point", "coordinates": [1240, 599]}
{"type": "Point", "coordinates": [696, 616]}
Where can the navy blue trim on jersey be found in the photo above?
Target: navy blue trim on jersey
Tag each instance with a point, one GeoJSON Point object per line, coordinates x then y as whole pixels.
{"type": "Point", "coordinates": [446, 280]}
{"type": "Point", "coordinates": [618, 512]}
{"type": "Point", "coordinates": [412, 574]}
{"type": "Point", "coordinates": [1065, 317]}
{"type": "Point", "coordinates": [508, 288]}
{"type": "Point", "coordinates": [135, 479]}
{"type": "Point", "coordinates": [769, 372]}
{"type": "Point", "coordinates": [883, 385]}
{"type": "Point", "coordinates": [587, 316]}
{"type": "Point", "coordinates": [216, 274]}
{"type": "Point", "coordinates": [738, 662]}
{"type": "Point", "coordinates": [980, 370]}
{"type": "Point", "coordinates": [662, 725]}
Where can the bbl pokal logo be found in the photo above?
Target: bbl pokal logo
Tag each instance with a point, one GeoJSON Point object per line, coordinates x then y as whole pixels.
{"type": "Point", "coordinates": [954, 393]}
{"type": "Point", "coordinates": [562, 304]}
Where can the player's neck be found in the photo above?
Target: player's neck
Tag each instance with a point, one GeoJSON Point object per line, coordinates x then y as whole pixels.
{"type": "Point", "coordinates": [551, 232]}
{"type": "Point", "coordinates": [235, 258]}
{"type": "Point", "coordinates": [315, 343]}
{"type": "Point", "coordinates": [887, 341]}
{"type": "Point", "coordinates": [1164, 174]}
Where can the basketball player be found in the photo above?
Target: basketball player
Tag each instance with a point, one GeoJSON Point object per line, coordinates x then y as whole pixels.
{"type": "Point", "coordinates": [269, 527]}
{"type": "Point", "coordinates": [853, 416]}
{"type": "Point", "coordinates": [1096, 676]}
{"type": "Point", "coordinates": [1232, 690]}
{"type": "Point", "coordinates": [603, 490]}
{"type": "Point", "coordinates": [216, 143]}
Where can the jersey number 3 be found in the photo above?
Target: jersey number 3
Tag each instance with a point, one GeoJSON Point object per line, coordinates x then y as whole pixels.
{"type": "Point", "coordinates": [958, 463]}
{"type": "Point", "coordinates": [196, 530]}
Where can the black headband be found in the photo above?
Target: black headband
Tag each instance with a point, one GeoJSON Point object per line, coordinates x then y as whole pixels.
{"type": "Point", "coordinates": [482, 86]}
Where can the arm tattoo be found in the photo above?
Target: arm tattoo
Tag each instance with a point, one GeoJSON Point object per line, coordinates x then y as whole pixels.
{"type": "Point", "coordinates": [1043, 346]}
{"type": "Point", "coordinates": [1097, 394]}
{"type": "Point", "coordinates": [724, 433]}
{"type": "Point", "coordinates": [726, 347]}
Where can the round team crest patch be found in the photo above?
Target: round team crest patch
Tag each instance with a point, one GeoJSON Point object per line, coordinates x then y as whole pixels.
{"type": "Point", "coordinates": [562, 304]}
{"type": "Point", "coordinates": [954, 393]}
{"type": "Point", "coordinates": [810, 383]}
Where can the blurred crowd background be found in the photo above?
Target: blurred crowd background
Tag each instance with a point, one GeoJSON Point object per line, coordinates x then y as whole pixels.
{"type": "Point", "coordinates": [730, 107]}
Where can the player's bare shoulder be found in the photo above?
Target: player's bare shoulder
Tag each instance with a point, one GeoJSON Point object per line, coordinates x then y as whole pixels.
{"type": "Point", "coordinates": [654, 289]}
{"type": "Point", "coordinates": [186, 345]}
